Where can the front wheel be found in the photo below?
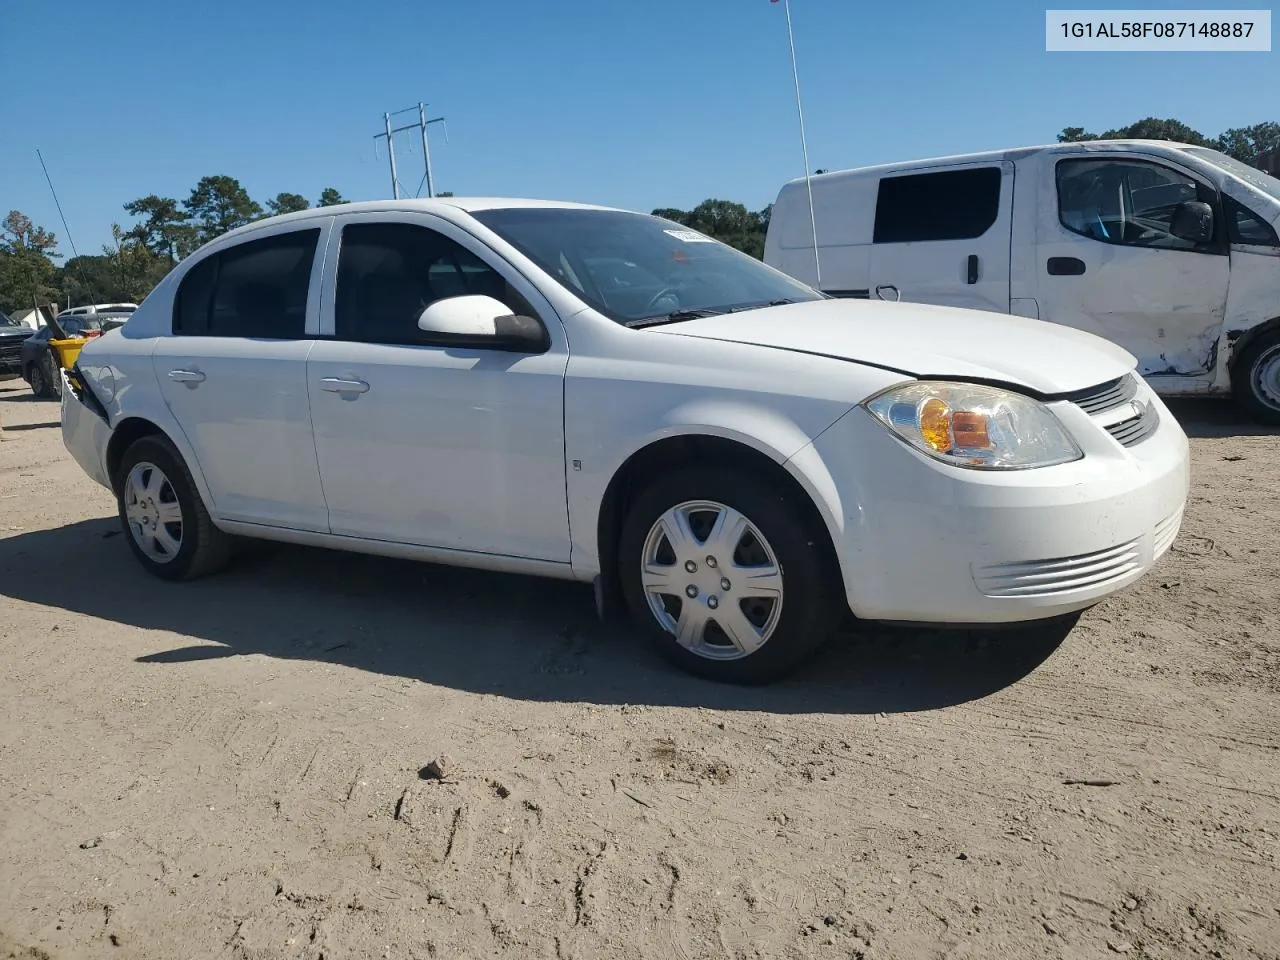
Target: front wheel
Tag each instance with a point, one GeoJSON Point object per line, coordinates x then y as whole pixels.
{"type": "Point", "coordinates": [1256, 379]}
{"type": "Point", "coordinates": [729, 574]}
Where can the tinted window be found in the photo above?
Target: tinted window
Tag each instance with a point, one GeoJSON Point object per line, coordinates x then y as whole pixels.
{"type": "Point", "coordinates": [1245, 226]}
{"type": "Point", "coordinates": [1125, 202]}
{"type": "Point", "coordinates": [255, 289]}
{"type": "Point", "coordinates": [388, 273]}
{"type": "Point", "coordinates": [955, 205]}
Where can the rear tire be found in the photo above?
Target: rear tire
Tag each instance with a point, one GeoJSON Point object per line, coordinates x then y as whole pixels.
{"type": "Point", "coordinates": [1255, 379]}
{"type": "Point", "coordinates": [163, 517]}
{"type": "Point", "coordinates": [734, 567]}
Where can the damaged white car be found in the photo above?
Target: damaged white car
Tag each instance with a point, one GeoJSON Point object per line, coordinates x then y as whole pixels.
{"type": "Point", "coordinates": [604, 396]}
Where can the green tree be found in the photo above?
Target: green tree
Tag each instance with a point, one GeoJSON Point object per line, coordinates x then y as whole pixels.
{"type": "Point", "coordinates": [165, 229]}
{"type": "Point", "coordinates": [1150, 128]}
{"type": "Point", "coordinates": [218, 204]}
{"type": "Point", "coordinates": [133, 268]}
{"type": "Point", "coordinates": [288, 203]}
{"type": "Point", "coordinates": [27, 272]}
{"type": "Point", "coordinates": [1250, 144]}
{"type": "Point", "coordinates": [330, 197]}
{"type": "Point", "coordinates": [727, 221]}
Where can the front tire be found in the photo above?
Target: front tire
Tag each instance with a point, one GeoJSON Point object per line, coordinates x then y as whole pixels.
{"type": "Point", "coordinates": [730, 575]}
{"type": "Point", "coordinates": [1256, 379]}
{"type": "Point", "coordinates": [163, 517]}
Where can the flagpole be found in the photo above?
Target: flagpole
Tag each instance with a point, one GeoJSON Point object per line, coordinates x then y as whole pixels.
{"type": "Point", "coordinates": [804, 147]}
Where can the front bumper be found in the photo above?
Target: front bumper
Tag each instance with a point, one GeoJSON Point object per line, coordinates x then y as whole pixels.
{"type": "Point", "coordinates": [924, 542]}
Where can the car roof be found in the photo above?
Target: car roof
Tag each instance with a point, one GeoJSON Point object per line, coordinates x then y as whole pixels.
{"type": "Point", "coordinates": [444, 206]}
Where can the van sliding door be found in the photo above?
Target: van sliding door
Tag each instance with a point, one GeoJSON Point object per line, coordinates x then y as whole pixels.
{"type": "Point", "coordinates": [942, 235]}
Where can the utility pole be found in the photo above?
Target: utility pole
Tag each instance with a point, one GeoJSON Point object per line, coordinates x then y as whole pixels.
{"type": "Point", "coordinates": [421, 124]}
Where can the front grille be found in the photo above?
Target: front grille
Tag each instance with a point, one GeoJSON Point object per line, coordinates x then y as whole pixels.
{"type": "Point", "coordinates": [11, 355]}
{"type": "Point", "coordinates": [1106, 397]}
{"type": "Point", "coordinates": [1135, 429]}
{"type": "Point", "coordinates": [1043, 578]}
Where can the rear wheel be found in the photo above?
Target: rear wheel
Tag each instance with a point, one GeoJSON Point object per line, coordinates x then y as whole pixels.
{"type": "Point", "coordinates": [168, 528]}
{"type": "Point", "coordinates": [1256, 379]}
{"type": "Point", "coordinates": [729, 575]}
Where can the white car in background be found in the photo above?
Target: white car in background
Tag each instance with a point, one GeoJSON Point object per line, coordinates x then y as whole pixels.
{"type": "Point", "coordinates": [605, 396]}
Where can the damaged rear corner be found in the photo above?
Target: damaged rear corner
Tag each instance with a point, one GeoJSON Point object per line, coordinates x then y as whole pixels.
{"type": "Point", "coordinates": [86, 427]}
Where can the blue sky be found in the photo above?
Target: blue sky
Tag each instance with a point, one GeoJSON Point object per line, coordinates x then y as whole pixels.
{"type": "Point", "coordinates": [636, 104]}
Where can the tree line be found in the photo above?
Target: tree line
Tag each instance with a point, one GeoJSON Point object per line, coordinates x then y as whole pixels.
{"type": "Point", "coordinates": [165, 229]}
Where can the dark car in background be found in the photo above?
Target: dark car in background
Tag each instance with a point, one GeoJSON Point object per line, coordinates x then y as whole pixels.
{"type": "Point", "coordinates": [12, 337]}
{"type": "Point", "coordinates": [36, 364]}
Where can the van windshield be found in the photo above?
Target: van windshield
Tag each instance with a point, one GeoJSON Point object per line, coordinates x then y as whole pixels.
{"type": "Point", "coordinates": [1241, 171]}
{"type": "Point", "coordinates": [635, 268]}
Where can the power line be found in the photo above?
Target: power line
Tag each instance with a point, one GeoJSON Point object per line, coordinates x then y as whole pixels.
{"type": "Point", "coordinates": [76, 253]}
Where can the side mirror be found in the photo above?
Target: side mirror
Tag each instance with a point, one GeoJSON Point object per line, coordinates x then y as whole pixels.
{"type": "Point", "coordinates": [1193, 221]}
{"type": "Point", "coordinates": [483, 322]}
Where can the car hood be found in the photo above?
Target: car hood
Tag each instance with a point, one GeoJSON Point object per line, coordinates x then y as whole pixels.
{"type": "Point", "coordinates": [926, 341]}
{"type": "Point", "coordinates": [15, 333]}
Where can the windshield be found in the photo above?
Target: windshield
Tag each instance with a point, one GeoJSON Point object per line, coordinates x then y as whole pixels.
{"type": "Point", "coordinates": [6, 321]}
{"type": "Point", "coordinates": [632, 267]}
{"type": "Point", "coordinates": [1241, 171]}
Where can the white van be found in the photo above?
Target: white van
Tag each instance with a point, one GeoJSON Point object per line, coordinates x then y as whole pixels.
{"type": "Point", "coordinates": [1167, 249]}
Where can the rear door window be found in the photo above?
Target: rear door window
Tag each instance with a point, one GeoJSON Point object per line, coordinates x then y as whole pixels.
{"type": "Point", "coordinates": [255, 289]}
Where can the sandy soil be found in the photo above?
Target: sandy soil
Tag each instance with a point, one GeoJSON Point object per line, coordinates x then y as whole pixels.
{"type": "Point", "coordinates": [230, 768]}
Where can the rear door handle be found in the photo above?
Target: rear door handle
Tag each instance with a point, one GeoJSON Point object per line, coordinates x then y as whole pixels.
{"type": "Point", "coordinates": [186, 376]}
{"type": "Point", "coordinates": [339, 385]}
{"type": "Point", "coordinates": [972, 268]}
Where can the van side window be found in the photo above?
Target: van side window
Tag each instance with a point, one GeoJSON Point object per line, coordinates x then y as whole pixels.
{"type": "Point", "coordinates": [254, 289]}
{"type": "Point", "coordinates": [1125, 202]}
{"type": "Point", "coordinates": [1245, 226]}
{"type": "Point", "coordinates": [951, 205]}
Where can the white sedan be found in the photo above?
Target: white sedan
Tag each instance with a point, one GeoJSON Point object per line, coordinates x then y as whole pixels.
{"type": "Point", "coordinates": [604, 396]}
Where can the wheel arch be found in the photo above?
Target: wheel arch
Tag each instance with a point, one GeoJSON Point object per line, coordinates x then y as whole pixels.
{"type": "Point", "coordinates": [802, 474]}
{"type": "Point", "coordinates": [1244, 339]}
{"type": "Point", "coordinates": [132, 429]}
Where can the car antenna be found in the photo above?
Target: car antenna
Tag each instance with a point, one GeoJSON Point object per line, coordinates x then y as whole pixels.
{"type": "Point", "coordinates": [804, 147]}
{"type": "Point", "coordinates": [74, 252]}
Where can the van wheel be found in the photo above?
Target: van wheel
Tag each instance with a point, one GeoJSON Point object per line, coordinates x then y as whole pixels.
{"type": "Point", "coordinates": [728, 575]}
{"type": "Point", "coordinates": [1255, 379]}
{"type": "Point", "coordinates": [165, 521]}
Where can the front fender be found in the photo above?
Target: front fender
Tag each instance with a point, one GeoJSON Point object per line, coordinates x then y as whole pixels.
{"type": "Point", "coordinates": [758, 427]}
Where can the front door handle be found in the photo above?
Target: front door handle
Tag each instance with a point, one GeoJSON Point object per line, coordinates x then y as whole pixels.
{"type": "Point", "coordinates": [971, 274]}
{"type": "Point", "coordinates": [339, 385]}
{"type": "Point", "coordinates": [186, 376]}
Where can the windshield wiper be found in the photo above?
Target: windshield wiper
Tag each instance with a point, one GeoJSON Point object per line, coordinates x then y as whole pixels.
{"type": "Point", "coordinates": [677, 316]}
{"type": "Point", "coordinates": [758, 306]}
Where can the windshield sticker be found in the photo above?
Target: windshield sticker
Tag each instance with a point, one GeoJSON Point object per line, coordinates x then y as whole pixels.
{"type": "Point", "coordinates": [688, 236]}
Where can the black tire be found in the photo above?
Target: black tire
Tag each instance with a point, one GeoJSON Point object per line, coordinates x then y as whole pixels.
{"type": "Point", "coordinates": [203, 547]}
{"type": "Point", "coordinates": [1259, 358]}
{"type": "Point", "coordinates": [812, 600]}
{"type": "Point", "coordinates": [39, 380]}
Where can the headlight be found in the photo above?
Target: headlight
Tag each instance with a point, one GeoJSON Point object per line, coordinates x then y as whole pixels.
{"type": "Point", "coordinates": [968, 425]}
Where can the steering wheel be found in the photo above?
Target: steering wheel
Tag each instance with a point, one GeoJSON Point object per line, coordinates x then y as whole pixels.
{"type": "Point", "coordinates": [665, 291]}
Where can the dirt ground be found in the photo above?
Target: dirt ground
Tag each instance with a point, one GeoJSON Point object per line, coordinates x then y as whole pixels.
{"type": "Point", "coordinates": [230, 768]}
